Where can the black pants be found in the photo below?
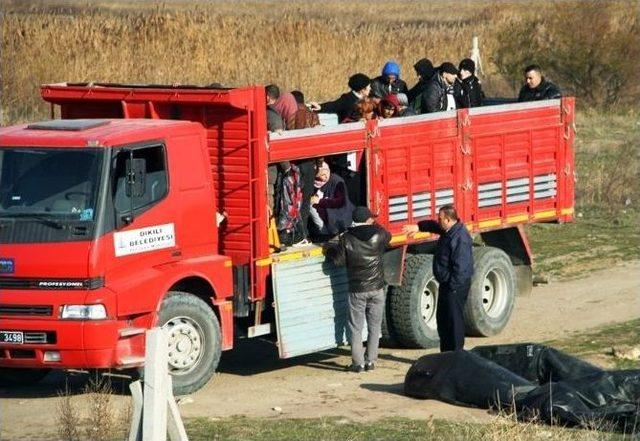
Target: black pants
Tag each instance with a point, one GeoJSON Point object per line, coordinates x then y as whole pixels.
{"type": "Point", "coordinates": [450, 316]}
{"type": "Point", "coordinates": [307, 175]}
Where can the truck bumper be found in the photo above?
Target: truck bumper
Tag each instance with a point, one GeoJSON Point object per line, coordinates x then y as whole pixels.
{"type": "Point", "coordinates": [71, 344]}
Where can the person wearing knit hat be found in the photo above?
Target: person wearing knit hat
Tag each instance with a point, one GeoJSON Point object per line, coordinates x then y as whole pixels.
{"type": "Point", "coordinates": [388, 82]}
{"type": "Point", "coordinates": [345, 105]}
{"type": "Point", "coordinates": [361, 250]}
{"type": "Point", "coordinates": [424, 69]}
{"type": "Point", "coordinates": [471, 94]}
{"type": "Point", "coordinates": [443, 90]}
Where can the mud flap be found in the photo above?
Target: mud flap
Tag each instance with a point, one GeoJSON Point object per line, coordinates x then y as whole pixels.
{"type": "Point", "coordinates": [310, 302]}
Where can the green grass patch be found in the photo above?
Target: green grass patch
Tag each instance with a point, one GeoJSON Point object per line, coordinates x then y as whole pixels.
{"type": "Point", "coordinates": [282, 429]}
{"type": "Point", "coordinates": [607, 212]}
{"type": "Point", "coordinates": [595, 240]}
{"type": "Point", "coordinates": [606, 343]}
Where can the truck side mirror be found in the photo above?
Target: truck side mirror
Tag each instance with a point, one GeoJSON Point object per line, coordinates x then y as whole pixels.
{"type": "Point", "coordinates": [136, 176]}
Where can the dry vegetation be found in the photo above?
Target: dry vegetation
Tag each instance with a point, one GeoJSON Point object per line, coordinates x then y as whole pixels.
{"type": "Point", "coordinates": [299, 44]}
{"type": "Point", "coordinates": [101, 420]}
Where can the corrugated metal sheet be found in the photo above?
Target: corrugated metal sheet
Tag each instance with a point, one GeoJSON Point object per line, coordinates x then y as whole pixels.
{"type": "Point", "coordinates": [310, 298]}
{"type": "Point", "coordinates": [227, 139]}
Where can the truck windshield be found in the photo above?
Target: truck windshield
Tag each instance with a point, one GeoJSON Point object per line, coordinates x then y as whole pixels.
{"type": "Point", "coordinates": [49, 184]}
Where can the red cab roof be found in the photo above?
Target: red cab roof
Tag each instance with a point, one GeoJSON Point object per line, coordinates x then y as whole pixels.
{"type": "Point", "coordinates": [83, 133]}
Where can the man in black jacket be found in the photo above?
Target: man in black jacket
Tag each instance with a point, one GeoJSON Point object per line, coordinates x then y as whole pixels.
{"type": "Point", "coordinates": [362, 247]}
{"type": "Point", "coordinates": [345, 106]}
{"type": "Point", "coordinates": [453, 268]}
{"type": "Point", "coordinates": [536, 87]}
{"type": "Point", "coordinates": [425, 70]}
{"type": "Point", "coordinates": [471, 90]}
{"type": "Point", "coordinates": [442, 91]}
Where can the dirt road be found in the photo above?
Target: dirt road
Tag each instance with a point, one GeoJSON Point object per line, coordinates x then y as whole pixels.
{"type": "Point", "coordinates": [252, 381]}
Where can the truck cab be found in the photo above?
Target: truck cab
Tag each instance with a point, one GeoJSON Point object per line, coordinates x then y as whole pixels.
{"type": "Point", "coordinates": [94, 249]}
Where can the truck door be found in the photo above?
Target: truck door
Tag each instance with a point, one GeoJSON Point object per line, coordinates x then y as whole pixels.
{"type": "Point", "coordinates": [310, 302]}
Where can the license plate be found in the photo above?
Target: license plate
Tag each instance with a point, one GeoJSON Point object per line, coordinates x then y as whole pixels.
{"type": "Point", "coordinates": [13, 337]}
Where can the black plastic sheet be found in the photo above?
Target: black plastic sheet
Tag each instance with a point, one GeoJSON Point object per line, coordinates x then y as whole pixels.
{"type": "Point", "coordinates": [533, 380]}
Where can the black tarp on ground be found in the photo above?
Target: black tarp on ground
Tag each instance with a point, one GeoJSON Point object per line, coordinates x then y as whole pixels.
{"type": "Point", "coordinates": [533, 380]}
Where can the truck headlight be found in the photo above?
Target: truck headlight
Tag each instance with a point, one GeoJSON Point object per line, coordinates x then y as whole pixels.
{"type": "Point", "coordinates": [83, 312]}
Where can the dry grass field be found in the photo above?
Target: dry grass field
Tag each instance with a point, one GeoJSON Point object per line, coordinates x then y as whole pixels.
{"type": "Point", "coordinates": [302, 44]}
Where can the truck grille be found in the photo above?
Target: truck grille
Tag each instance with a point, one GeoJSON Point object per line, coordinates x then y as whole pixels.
{"type": "Point", "coordinates": [28, 310]}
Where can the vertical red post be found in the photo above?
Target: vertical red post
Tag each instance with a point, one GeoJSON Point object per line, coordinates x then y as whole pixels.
{"type": "Point", "coordinates": [464, 170]}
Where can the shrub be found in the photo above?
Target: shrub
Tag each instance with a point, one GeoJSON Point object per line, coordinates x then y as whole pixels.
{"type": "Point", "coordinates": [589, 48]}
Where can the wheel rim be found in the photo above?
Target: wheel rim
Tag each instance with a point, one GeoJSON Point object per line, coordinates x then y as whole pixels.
{"type": "Point", "coordinates": [494, 293]}
{"type": "Point", "coordinates": [428, 303]}
{"type": "Point", "coordinates": [185, 338]}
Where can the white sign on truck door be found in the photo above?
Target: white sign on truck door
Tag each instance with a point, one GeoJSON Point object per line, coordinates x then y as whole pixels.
{"type": "Point", "coordinates": [143, 240]}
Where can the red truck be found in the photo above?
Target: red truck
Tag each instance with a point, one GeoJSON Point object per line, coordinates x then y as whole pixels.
{"type": "Point", "coordinates": [108, 223]}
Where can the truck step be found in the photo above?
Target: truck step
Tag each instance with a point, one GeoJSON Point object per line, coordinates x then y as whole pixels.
{"type": "Point", "coordinates": [128, 332]}
{"type": "Point", "coordinates": [130, 361]}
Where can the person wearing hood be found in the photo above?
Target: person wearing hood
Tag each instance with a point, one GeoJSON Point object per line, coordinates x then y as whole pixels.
{"type": "Point", "coordinates": [471, 94]}
{"type": "Point", "coordinates": [389, 106]}
{"type": "Point", "coordinates": [443, 90]}
{"type": "Point", "coordinates": [425, 70]}
{"type": "Point", "coordinates": [345, 106]}
{"type": "Point", "coordinates": [388, 82]}
{"type": "Point", "coordinates": [361, 249]}
{"type": "Point", "coordinates": [536, 86]}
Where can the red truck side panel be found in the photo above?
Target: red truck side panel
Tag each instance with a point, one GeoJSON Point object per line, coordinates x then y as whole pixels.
{"type": "Point", "coordinates": [420, 168]}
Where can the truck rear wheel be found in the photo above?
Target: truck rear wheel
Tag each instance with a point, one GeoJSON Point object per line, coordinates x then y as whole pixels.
{"type": "Point", "coordinates": [414, 303]}
{"type": "Point", "coordinates": [194, 340]}
{"type": "Point", "coordinates": [14, 377]}
{"type": "Point", "coordinates": [492, 293]}
{"type": "Point", "coordinates": [388, 336]}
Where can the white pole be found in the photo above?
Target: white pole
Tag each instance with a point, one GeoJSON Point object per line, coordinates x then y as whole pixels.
{"type": "Point", "coordinates": [135, 431]}
{"type": "Point", "coordinates": [475, 55]}
{"type": "Point", "coordinates": [154, 417]}
{"type": "Point", "coordinates": [174, 423]}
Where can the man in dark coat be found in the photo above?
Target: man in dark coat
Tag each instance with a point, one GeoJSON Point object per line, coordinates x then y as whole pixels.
{"type": "Point", "coordinates": [425, 70]}
{"type": "Point", "coordinates": [345, 106]}
{"type": "Point", "coordinates": [452, 268]}
{"type": "Point", "coordinates": [471, 94]}
{"type": "Point", "coordinates": [388, 82]}
{"type": "Point", "coordinates": [443, 90]}
{"type": "Point", "coordinates": [361, 249]}
{"type": "Point", "coordinates": [536, 87]}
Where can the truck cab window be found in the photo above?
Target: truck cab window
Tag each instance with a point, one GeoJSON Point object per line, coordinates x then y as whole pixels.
{"type": "Point", "coordinates": [155, 179]}
{"type": "Point", "coordinates": [56, 183]}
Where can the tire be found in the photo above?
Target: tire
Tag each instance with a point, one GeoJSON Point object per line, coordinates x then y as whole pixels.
{"type": "Point", "coordinates": [413, 304]}
{"type": "Point", "coordinates": [194, 340]}
{"type": "Point", "coordinates": [388, 336]}
{"type": "Point", "coordinates": [492, 293]}
{"type": "Point", "coordinates": [15, 377]}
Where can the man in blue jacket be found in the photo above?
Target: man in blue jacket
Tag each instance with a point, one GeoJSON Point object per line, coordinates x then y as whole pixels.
{"type": "Point", "coordinates": [453, 268]}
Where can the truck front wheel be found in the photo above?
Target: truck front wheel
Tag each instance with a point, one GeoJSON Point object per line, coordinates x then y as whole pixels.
{"type": "Point", "coordinates": [15, 377]}
{"type": "Point", "coordinates": [193, 332]}
{"type": "Point", "coordinates": [492, 293]}
{"type": "Point", "coordinates": [414, 303]}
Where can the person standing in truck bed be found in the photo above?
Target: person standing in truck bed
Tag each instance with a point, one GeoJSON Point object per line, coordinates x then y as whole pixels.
{"type": "Point", "coordinates": [536, 87]}
{"type": "Point", "coordinates": [345, 106]}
